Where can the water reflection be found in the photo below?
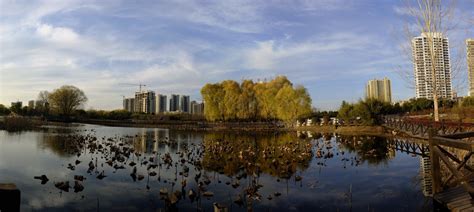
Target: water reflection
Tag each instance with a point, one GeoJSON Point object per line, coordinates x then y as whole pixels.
{"type": "Point", "coordinates": [192, 171]}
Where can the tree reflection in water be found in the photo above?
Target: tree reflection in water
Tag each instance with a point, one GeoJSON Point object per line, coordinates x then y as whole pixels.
{"type": "Point", "coordinates": [279, 155]}
{"type": "Point", "coordinates": [371, 149]}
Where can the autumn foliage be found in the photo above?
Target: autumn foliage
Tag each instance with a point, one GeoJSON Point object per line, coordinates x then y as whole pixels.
{"type": "Point", "coordinates": [277, 99]}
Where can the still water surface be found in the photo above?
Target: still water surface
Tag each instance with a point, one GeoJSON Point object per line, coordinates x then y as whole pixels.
{"type": "Point", "coordinates": [263, 172]}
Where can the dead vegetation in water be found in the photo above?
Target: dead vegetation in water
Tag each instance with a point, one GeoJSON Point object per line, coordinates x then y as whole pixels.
{"type": "Point", "coordinates": [19, 123]}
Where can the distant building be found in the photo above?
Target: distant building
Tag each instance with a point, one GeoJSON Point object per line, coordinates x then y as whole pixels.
{"type": "Point", "coordinates": [184, 104]}
{"type": "Point", "coordinates": [379, 89]}
{"type": "Point", "coordinates": [422, 63]}
{"type": "Point", "coordinates": [17, 104]}
{"type": "Point", "coordinates": [161, 103]}
{"type": "Point", "coordinates": [31, 104]}
{"type": "Point", "coordinates": [129, 104]}
{"type": "Point", "coordinates": [197, 108]}
{"type": "Point", "coordinates": [174, 103]}
{"type": "Point", "coordinates": [145, 102]}
{"type": "Point", "coordinates": [470, 64]}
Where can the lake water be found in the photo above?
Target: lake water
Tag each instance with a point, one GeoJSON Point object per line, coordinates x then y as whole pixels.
{"type": "Point", "coordinates": [263, 172]}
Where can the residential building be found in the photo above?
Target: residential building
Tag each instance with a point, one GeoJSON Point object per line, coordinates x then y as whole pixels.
{"type": "Point", "coordinates": [129, 104]}
{"type": "Point", "coordinates": [145, 102]}
{"type": "Point", "coordinates": [379, 89]}
{"type": "Point", "coordinates": [17, 104]}
{"type": "Point", "coordinates": [31, 104]}
{"type": "Point", "coordinates": [161, 103]}
{"type": "Point", "coordinates": [470, 64]}
{"type": "Point", "coordinates": [422, 63]}
{"type": "Point", "coordinates": [197, 108]}
{"type": "Point", "coordinates": [174, 103]}
{"type": "Point", "coordinates": [184, 104]}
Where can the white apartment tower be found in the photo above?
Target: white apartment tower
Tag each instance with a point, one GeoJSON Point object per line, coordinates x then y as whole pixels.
{"type": "Point", "coordinates": [379, 89]}
{"type": "Point", "coordinates": [422, 63]}
{"type": "Point", "coordinates": [470, 64]}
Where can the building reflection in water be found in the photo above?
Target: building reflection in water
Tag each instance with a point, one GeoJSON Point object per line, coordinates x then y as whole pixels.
{"type": "Point", "coordinates": [426, 179]}
{"type": "Point", "coordinates": [164, 140]}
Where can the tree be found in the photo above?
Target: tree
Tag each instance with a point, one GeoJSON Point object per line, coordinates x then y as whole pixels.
{"type": "Point", "coordinates": [277, 99]}
{"type": "Point", "coordinates": [42, 104]}
{"type": "Point", "coordinates": [345, 111]}
{"type": "Point", "coordinates": [431, 18]}
{"type": "Point", "coordinates": [213, 96]}
{"type": "Point", "coordinates": [468, 101]}
{"type": "Point", "coordinates": [4, 110]}
{"type": "Point", "coordinates": [66, 99]}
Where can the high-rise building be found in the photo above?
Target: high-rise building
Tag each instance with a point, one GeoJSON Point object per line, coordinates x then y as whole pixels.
{"type": "Point", "coordinates": [161, 103]}
{"type": "Point", "coordinates": [379, 89]}
{"type": "Point", "coordinates": [145, 102]}
{"type": "Point", "coordinates": [197, 108]}
{"type": "Point", "coordinates": [422, 63]}
{"type": "Point", "coordinates": [31, 104]}
{"type": "Point", "coordinates": [129, 104]}
{"type": "Point", "coordinates": [470, 64]}
{"type": "Point", "coordinates": [174, 103]}
{"type": "Point", "coordinates": [184, 104]}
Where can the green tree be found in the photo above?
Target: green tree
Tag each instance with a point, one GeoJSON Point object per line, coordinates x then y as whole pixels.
{"type": "Point", "coordinates": [345, 111]}
{"type": "Point", "coordinates": [66, 99]}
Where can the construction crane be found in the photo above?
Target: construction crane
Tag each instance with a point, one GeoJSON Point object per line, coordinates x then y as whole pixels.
{"type": "Point", "coordinates": [140, 85]}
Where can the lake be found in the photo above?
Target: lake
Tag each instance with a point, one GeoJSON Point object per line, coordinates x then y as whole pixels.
{"type": "Point", "coordinates": [90, 167]}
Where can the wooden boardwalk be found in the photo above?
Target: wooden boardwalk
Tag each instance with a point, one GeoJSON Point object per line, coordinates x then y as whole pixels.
{"type": "Point", "coordinates": [449, 144]}
{"type": "Point", "coordinates": [455, 199]}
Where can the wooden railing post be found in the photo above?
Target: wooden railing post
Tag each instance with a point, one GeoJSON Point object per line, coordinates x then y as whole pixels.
{"type": "Point", "coordinates": [435, 166]}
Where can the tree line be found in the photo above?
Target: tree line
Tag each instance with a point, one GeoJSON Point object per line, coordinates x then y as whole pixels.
{"type": "Point", "coordinates": [276, 99]}
{"type": "Point", "coordinates": [368, 111]}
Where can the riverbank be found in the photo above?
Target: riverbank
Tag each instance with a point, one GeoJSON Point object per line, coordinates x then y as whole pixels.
{"type": "Point", "coordinates": [346, 130]}
{"type": "Point", "coordinates": [191, 125]}
{"type": "Point", "coordinates": [214, 126]}
{"type": "Point", "coordinates": [240, 126]}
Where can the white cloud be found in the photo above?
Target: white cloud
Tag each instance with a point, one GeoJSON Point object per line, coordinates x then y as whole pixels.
{"type": "Point", "coordinates": [270, 54]}
{"type": "Point", "coordinates": [62, 35]}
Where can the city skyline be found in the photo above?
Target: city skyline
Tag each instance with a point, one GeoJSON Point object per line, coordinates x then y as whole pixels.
{"type": "Point", "coordinates": [178, 48]}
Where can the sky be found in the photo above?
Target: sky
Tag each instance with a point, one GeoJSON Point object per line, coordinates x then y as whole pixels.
{"type": "Point", "coordinates": [331, 47]}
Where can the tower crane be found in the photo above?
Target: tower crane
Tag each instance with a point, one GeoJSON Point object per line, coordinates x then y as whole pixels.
{"type": "Point", "coordinates": [140, 85]}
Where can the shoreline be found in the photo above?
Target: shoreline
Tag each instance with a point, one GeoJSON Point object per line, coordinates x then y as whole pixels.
{"type": "Point", "coordinates": [243, 126]}
{"type": "Point", "coordinates": [205, 126]}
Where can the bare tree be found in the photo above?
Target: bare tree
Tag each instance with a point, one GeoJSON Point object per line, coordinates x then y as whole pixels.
{"type": "Point", "coordinates": [42, 104]}
{"type": "Point", "coordinates": [433, 19]}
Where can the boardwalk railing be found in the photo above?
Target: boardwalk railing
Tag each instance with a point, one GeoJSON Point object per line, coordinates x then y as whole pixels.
{"type": "Point", "coordinates": [420, 127]}
{"type": "Point", "coordinates": [459, 172]}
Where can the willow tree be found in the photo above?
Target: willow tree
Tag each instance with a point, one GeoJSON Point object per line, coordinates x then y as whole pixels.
{"type": "Point", "coordinates": [276, 99]}
{"type": "Point", "coordinates": [213, 96]}
{"type": "Point", "coordinates": [67, 99]}
{"type": "Point", "coordinates": [292, 103]}
{"type": "Point", "coordinates": [230, 102]}
{"type": "Point", "coordinates": [247, 103]}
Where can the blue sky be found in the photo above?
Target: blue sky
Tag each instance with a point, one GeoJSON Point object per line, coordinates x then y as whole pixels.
{"type": "Point", "coordinates": [332, 47]}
